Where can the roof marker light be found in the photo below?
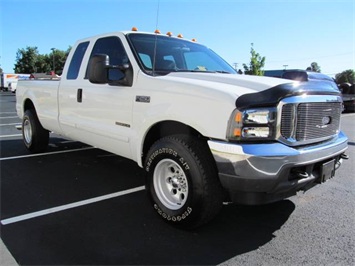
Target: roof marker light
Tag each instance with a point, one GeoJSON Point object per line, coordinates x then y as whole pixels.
{"type": "Point", "coordinates": [169, 33]}
{"type": "Point", "coordinates": [194, 40]}
{"type": "Point", "coordinates": [180, 36]}
{"type": "Point", "coordinates": [134, 29]}
{"type": "Point", "coordinates": [157, 31]}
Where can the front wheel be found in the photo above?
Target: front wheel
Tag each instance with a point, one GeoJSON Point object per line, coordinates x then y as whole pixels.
{"type": "Point", "coordinates": [182, 181]}
{"type": "Point", "coordinates": [35, 137]}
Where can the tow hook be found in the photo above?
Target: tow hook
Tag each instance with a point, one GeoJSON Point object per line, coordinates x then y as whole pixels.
{"type": "Point", "coordinates": [344, 156]}
{"type": "Point", "coordinates": [302, 174]}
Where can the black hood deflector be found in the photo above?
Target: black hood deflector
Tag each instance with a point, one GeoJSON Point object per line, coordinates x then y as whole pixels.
{"type": "Point", "coordinates": [272, 96]}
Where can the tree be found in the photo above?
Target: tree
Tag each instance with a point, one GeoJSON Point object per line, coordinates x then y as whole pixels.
{"type": "Point", "coordinates": [42, 65]}
{"type": "Point", "coordinates": [347, 76]}
{"type": "Point", "coordinates": [256, 63]}
{"type": "Point", "coordinates": [26, 60]}
{"type": "Point", "coordinates": [59, 60]}
{"type": "Point", "coordinates": [314, 67]}
{"type": "Point", "coordinates": [30, 61]}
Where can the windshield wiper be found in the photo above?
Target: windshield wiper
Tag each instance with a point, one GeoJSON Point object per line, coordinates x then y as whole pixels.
{"type": "Point", "coordinates": [201, 71]}
{"type": "Point", "coordinates": [222, 71]}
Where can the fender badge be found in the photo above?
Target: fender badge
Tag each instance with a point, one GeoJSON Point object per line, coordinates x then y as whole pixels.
{"type": "Point", "coordinates": [143, 99]}
{"type": "Point", "coordinates": [122, 124]}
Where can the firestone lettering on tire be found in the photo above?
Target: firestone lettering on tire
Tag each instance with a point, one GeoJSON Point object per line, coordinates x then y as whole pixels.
{"type": "Point", "coordinates": [156, 153]}
{"type": "Point", "coordinates": [184, 163]}
{"type": "Point", "coordinates": [174, 218]}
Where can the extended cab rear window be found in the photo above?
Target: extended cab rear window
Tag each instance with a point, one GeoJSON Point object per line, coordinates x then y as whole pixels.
{"type": "Point", "coordinates": [76, 60]}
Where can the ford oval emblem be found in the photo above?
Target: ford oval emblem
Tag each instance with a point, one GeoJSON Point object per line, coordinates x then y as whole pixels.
{"type": "Point", "coordinates": [326, 120]}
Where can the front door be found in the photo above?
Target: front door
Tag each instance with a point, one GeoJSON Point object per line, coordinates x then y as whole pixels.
{"type": "Point", "coordinates": [101, 114]}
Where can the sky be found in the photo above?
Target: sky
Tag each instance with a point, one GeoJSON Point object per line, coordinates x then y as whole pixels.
{"type": "Point", "coordinates": [289, 33]}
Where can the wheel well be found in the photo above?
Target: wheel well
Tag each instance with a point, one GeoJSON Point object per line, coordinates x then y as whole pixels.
{"type": "Point", "coordinates": [28, 105]}
{"type": "Point", "coordinates": [164, 129]}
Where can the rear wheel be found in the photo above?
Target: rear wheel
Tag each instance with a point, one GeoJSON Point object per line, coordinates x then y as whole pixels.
{"type": "Point", "coordinates": [182, 181]}
{"type": "Point", "coordinates": [35, 137]}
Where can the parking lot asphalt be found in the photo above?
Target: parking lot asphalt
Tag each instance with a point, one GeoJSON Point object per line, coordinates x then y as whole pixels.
{"type": "Point", "coordinates": [77, 205]}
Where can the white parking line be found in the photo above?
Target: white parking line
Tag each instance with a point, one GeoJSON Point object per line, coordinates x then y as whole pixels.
{"type": "Point", "coordinates": [6, 117]}
{"type": "Point", "coordinates": [69, 206]}
{"type": "Point", "coordinates": [12, 124]}
{"type": "Point", "coordinates": [10, 136]}
{"type": "Point", "coordinates": [44, 154]}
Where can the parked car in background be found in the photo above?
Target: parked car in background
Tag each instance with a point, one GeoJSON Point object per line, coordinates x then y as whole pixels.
{"type": "Point", "coordinates": [7, 78]}
{"type": "Point", "coordinates": [12, 87]}
{"type": "Point", "coordinates": [299, 75]}
{"type": "Point", "coordinates": [348, 92]}
{"type": "Point", "coordinates": [346, 89]}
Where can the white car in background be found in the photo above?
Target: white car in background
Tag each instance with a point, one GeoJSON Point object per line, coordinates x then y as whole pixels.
{"type": "Point", "coordinates": [12, 87]}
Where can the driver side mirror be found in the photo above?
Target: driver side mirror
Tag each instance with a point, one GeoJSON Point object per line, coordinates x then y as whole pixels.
{"type": "Point", "coordinates": [97, 69]}
{"type": "Point", "coordinates": [101, 72]}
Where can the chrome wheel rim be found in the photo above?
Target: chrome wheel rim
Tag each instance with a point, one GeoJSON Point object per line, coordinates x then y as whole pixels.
{"type": "Point", "coordinates": [27, 131]}
{"type": "Point", "coordinates": [170, 184]}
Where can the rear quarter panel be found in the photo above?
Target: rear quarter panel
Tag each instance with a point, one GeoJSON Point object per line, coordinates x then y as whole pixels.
{"type": "Point", "coordinates": [43, 95]}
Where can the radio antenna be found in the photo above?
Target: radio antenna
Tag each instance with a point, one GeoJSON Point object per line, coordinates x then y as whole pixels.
{"type": "Point", "coordinates": [156, 39]}
{"type": "Point", "coordinates": [157, 20]}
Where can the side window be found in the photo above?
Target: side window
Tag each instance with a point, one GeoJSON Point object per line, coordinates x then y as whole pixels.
{"type": "Point", "coordinates": [76, 60]}
{"type": "Point", "coordinates": [113, 47]}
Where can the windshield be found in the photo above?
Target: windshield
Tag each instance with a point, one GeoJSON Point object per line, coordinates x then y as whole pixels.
{"type": "Point", "coordinates": [174, 55]}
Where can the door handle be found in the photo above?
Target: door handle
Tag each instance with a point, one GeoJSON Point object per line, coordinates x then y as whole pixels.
{"type": "Point", "coordinates": [79, 95]}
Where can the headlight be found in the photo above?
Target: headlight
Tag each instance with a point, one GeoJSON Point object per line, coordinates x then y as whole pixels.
{"type": "Point", "coordinates": [252, 124]}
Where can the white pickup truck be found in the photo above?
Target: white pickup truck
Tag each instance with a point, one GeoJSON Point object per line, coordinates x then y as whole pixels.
{"type": "Point", "coordinates": [203, 133]}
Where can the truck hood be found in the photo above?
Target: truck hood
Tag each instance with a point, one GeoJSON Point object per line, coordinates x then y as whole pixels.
{"type": "Point", "coordinates": [250, 90]}
{"type": "Point", "coordinates": [232, 83]}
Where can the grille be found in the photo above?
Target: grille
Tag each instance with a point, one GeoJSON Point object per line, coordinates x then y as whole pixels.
{"type": "Point", "coordinates": [287, 121]}
{"type": "Point", "coordinates": [310, 121]}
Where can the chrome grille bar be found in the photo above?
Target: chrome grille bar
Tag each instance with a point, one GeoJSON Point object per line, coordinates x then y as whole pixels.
{"type": "Point", "coordinates": [317, 120]}
{"type": "Point", "coordinates": [303, 122]}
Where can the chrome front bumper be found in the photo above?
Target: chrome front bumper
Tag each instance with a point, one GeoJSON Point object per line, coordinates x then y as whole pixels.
{"type": "Point", "coordinates": [261, 173]}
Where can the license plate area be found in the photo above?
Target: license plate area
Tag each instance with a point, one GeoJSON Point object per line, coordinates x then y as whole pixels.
{"type": "Point", "coordinates": [327, 171]}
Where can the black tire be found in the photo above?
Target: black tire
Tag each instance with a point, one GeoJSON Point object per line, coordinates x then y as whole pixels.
{"type": "Point", "coordinates": [35, 137]}
{"type": "Point", "coordinates": [182, 181]}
